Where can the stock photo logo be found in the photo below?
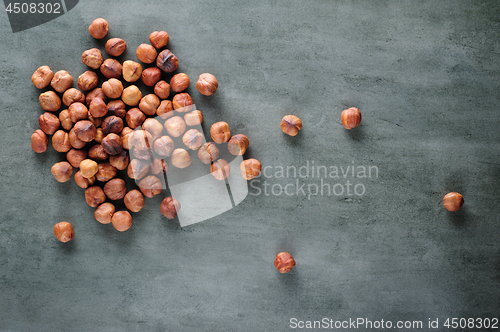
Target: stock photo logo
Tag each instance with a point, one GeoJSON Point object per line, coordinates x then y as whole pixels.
{"type": "Point", "coordinates": [24, 15]}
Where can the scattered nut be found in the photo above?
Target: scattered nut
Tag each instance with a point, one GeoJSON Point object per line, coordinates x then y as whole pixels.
{"type": "Point", "coordinates": [115, 189]}
{"type": "Point", "coordinates": [62, 171]}
{"type": "Point", "coordinates": [146, 53]}
{"type": "Point", "coordinates": [65, 120]}
{"type": "Point", "coordinates": [193, 118]}
{"type": "Point", "coordinates": [143, 140]}
{"type": "Point", "coordinates": [95, 93]}
{"type": "Point", "coordinates": [122, 221]}
{"type": "Point", "coordinates": [50, 101]}
{"type": "Point", "coordinates": [453, 201]}
{"type": "Point", "coordinates": [284, 262]}
{"type": "Point", "coordinates": [83, 182]}
{"type": "Point", "coordinates": [106, 172]}
{"type": "Point", "coordinates": [117, 108]}
{"type": "Point", "coordinates": [61, 81]}
{"type": "Point", "coordinates": [131, 71]}
{"type": "Point", "coordinates": [150, 186]}
{"type": "Point", "coordinates": [207, 84]}
{"type": "Point", "coordinates": [250, 168]}
{"type": "Point", "coordinates": [99, 28]}
{"type": "Point", "coordinates": [134, 200]}
{"type": "Point", "coordinates": [351, 118]}
{"type": "Point", "coordinates": [126, 137]}
{"type": "Point", "coordinates": [120, 161]}
{"type": "Point", "coordinates": [98, 153]}
{"type": "Point", "coordinates": [77, 111]}
{"type": "Point", "coordinates": [112, 144]}
{"type": "Point", "coordinates": [220, 169]}
{"type": "Point", "coordinates": [76, 156]}
{"type": "Point", "coordinates": [49, 123]}
{"type": "Point", "coordinates": [208, 153]}
{"type": "Point", "coordinates": [111, 68]}
{"type": "Point", "coordinates": [88, 168]}
{"type": "Point", "coordinates": [159, 39]}
{"type": "Point", "coordinates": [104, 213]}
{"type": "Point", "coordinates": [175, 126]}
{"type": "Point", "coordinates": [162, 89]}
{"type": "Point", "coordinates": [41, 77]}
{"type": "Point", "coordinates": [60, 141]}
{"type": "Point", "coordinates": [169, 207]}
{"type": "Point", "coordinates": [154, 127]}
{"type": "Point", "coordinates": [94, 196]}
{"type": "Point", "coordinates": [113, 88]}
{"type": "Point", "coordinates": [112, 124]}
{"type": "Point", "coordinates": [135, 118]}
{"type": "Point", "coordinates": [137, 169]}
{"type": "Point", "coordinates": [164, 146]}
{"type": "Point", "coordinates": [85, 130]}
{"type": "Point", "coordinates": [99, 135]}
{"type": "Point", "coordinates": [64, 231]}
{"type": "Point", "coordinates": [193, 139]}
{"type": "Point", "coordinates": [74, 140]}
{"type": "Point", "coordinates": [290, 124]}
{"type": "Point", "coordinates": [180, 158]}
{"type": "Point", "coordinates": [220, 132]}
{"type": "Point", "coordinates": [131, 95]}
{"type": "Point", "coordinates": [73, 95]}
{"type": "Point", "coordinates": [182, 102]}
{"type": "Point", "coordinates": [92, 58]}
{"type": "Point", "coordinates": [165, 110]}
{"type": "Point", "coordinates": [150, 76]}
{"type": "Point", "coordinates": [158, 166]}
{"type": "Point", "coordinates": [115, 46]}
{"type": "Point", "coordinates": [167, 61]}
{"type": "Point", "coordinates": [179, 82]}
{"type": "Point", "coordinates": [238, 145]}
{"type": "Point", "coordinates": [39, 141]}
{"type": "Point", "coordinates": [98, 108]}
{"type": "Point", "coordinates": [87, 81]}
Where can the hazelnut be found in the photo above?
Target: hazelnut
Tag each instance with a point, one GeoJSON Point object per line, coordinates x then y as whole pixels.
{"type": "Point", "coordinates": [117, 108]}
{"type": "Point", "coordinates": [137, 169]}
{"type": "Point", "coordinates": [143, 140]}
{"type": "Point", "coordinates": [154, 127]}
{"type": "Point", "coordinates": [141, 154]}
{"type": "Point", "coordinates": [169, 207]}
{"type": "Point", "coordinates": [76, 156]}
{"type": "Point", "coordinates": [146, 53]}
{"type": "Point", "coordinates": [112, 144]}
{"type": "Point", "coordinates": [74, 140]}
{"type": "Point", "coordinates": [182, 102]}
{"type": "Point", "coordinates": [115, 46]}
{"type": "Point", "coordinates": [134, 200]}
{"type": "Point", "coordinates": [97, 153]}
{"type": "Point", "coordinates": [115, 189]}
{"type": "Point", "coordinates": [61, 81]}
{"type": "Point", "coordinates": [131, 71]}
{"type": "Point", "coordinates": [149, 103]}
{"type": "Point", "coordinates": [98, 108]}
{"type": "Point", "coordinates": [193, 118]}
{"type": "Point", "coordinates": [104, 213]}
{"type": "Point", "coordinates": [165, 110]}
{"type": "Point", "coordinates": [99, 28]}
{"type": "Point", "coordinates": [351, 118]}
{"type": "Point", "coordinates": [193, 139]}
{"type": "Point", "coordinates": [112, 124]}
{"type": "Point", "coordinates": [73, 95]}
{"type": "Point", "coordinates": [62, 171]}
{"type": "Point", "coordinates": [78, 111]}
{"type": "Point", "coordinates": [159, 166]}
{"type": "Point", "coordinates": [150, 76]}
{"type": "Point", "coordinates": [208, 153]}
{"type": "Point", "coordinates": [64, 231]}
{"type": "Point", "coordinates": [164, 146]}
{"type": "Point", "coordinates": [88, 168]}
{"type": "Point", "coordinates": [113, 88]}
{"type": "Point", "coordinates": [150, 186]}
{"type": "Point", "coordinates": [82, 182]}
{"type": "Point", "coordinates": [50, 101]}
{"type": "Point", "coordinates": [175, 126]}
{"type": "Point", "coordinates": [41, 77]}
{"type": "Point", "coordinates": [99, 135]}
{"type": "Point", "coordinates": [39, 141]}
{"type": "Point", "coordinates": [220, 132]}
{"type": "Point", "coordinates": [126, 138]}
{"type": "Point", "coordinates": [94, 196]}
{"type": "Point", "coordinates": [158, 39]}
{"type": "Point", "coordinates": [87, 81]}
{"type": "Point", "coordinates": [96, 121]}
{"type": "Point", "coordinates": [120, 161]}
{"type": "Point", "coordinates": [85, 130]}
{"type": "Point", "coordinates": [167, 61]}
{"type": "Point", "coordinates": [122, 220]}
{"type": "Point", "coordinates": [220, 169]}
{"type": "Point", "coordinates": [134, 118]}
{"type": "Point", "coordinates": [250, 168]}
{"type": "Point", "coordinates": [49, 123]}
{"type": "Point", "coordinates": [238, 144]}
{"type": "Point", "coordinates": [106, 172]}
{"type": "Point", "coordinates": [131, 95]}
{"type": "Point", "coordinates": [65, 120]}
{"type": "Point", "coordinates": [290, 124]}
{"type": "Point", "coordinates": [95, 93]}
{"type": "Point", "coordinates": [284, 262]}
{"type": "Point", "coordinates": [179, 82]}
{"type": "Point", "coordinates": [207, 84]}
{"type": "Point", "coordinates": [453, 201]}
{"type": "Point", "coordinates": [180, 158]}
{"type": "Point", "coordinates": [92, 58]}
{"type": "Point", "coordinates": [60, 141]}
{"type": "Point", "coordinates": [162, 89]}
{"type": "Point", "coordinates": [111, 68]}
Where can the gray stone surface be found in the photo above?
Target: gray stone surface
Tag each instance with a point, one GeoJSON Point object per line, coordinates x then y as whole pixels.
{"type": "Point", "coordinates": [426, 77]}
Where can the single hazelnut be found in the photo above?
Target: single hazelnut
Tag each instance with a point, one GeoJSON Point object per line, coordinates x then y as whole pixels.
{"type": "Point", "coordinates": [65, 120]}
{"type": "Point", "coordinates": [98, 153]}
{"type": "Point", "coordinates": [74, 140]}
{"type": "Point", "coordinates": [94, 196]}
{"type": "Point", "coordinates": [112, 124]}
{"type": "Point", "coordinates": [351, 118]}
{"type": "Point", "coordinates": [117, 108]}
{"type": "Point", "coordinates": [106, 172]}
{"type": "Point", "coordinates": [99, 28]}
{"type": "Point", "coordinates": [162, 89]}
{"type": "Point", "coordinates": [149, 103]}
{"type": "Point", "coordinates": [99, 135]}
{"type": "Point", "coordinates": [220, 169]}
{"type": "Point", "coordinates": [180, 158]}
{"type": "Point", "coordinates": [154, 127]}
{"type": "Point", "coordinates": [250, 168]}
{"type": "Point", "coordinates": [134, 200]}
{"type": "Point", "coordinates": [159, 39]}
{"type": "Point", "coordinates": [76, 156]}
{"type": "Point", "coordinates": [50, 101]}
{"type": "Point", "coordinates": [115, 189]}
{"type": "Point", "coordinates": [78, 111]}
{"type": "Point", "coordinates": [193, 118]}
{"type": "Point", "coordinates": [85, 130]}
{"type": "Point", "coordinates": [113, 88]}
{"type": "Point", "coordinates": [104, 213]}
{"type": "Point", "coordinates": [92, 58]}
{"type": "Point", "coordinates": [208, 153]}
{"type": "Point", "coordinates": [115, 46]}
{"type": "Point", "coordinates": [207, 84]}
{"type": "Point", "coordinates": [150, 76]}
{"type": "Point", "coordinates": [125, 136]}
{"type": "Point", "coordinates": [164, 146]}
{"type": "Point", "coordinates": [193, 139]}
{"type": "Point", "coordinates": [96, 121]}
{"type": "Point", "coordinates": [158, 166]}
{"type": "Point", "coordinates": [135, 118]}
{"type": "Point", "coordinates": [112, 144]}
{"type": "Point", "coordinates": [39, 141]}
{"type": "Point", "coordinates": [41, 77]}
{"type": "Point", "coordinates": [95, 93]}
{"type": "Point", "coordinates": [182, 102]}
{"type": "Point", "coordinates": [238, 144]}
{"type": "Point", "coordinates": [290, 124]}
{"type": "Point", "coordinates": [220, 132]}
{"type": "Point", "coordinates": [179, 82]}
{"type": "Point", "coordinates": [137, 169]}
{"type": "Point", "coordinates": [165, 110]}
{"type": "Point", "coordinates": [88, 168]}
{"type": "Point", "coordinates": [131, 71]}
{"type": "Point", "coordinates": [175, 126]}
{"type": "Point", "coordinates": [120, 161]}
{"type": "Point", "coordinates": [122, 221]}
{"type": "Point", "coordinates": [98, 108]}
{"type": "Point", "coordinates": [64, 231]}
{"type": "Point", "coordinates": [62, 171]}
{"type": "Point", "coordinates": [131, 95]}
{"type": "Point", "coordinates": [167, 61]}
{"type": "Point", "coordinates": [73, 95]}
{"type": "Point", "coordinates": [82, 182]}
{"type": "Point", "coordinates": [146, 53]}
{"type": "Point", "coordinates": [150, 186]}
{"type": "Point", "coordinates": [453, 201]}
{"type": "Point", "coordinates": [87, 81]}
{"type": "Point", "coordinates": [111, 68]}
{"type": "Point", "coordinates": [284, 262]}
{"type": "Point", "coordinates": [60, 141]}
{"type": "Point", "coordinates": [49, 123]}
{"type": "Point", "coordinates": [141, 154]}
{"type": "Point", "coordinates": [169, 207]}
{"type": "Point", "coordinates": [61, 81]}
{"type": "Point", "coordinates": [143, 140]}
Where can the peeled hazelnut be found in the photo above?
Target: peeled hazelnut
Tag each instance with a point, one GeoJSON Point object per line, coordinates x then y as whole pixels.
{"type": "Point", "coordinates": [39, 141]}
{"type": "Point", "coordinates": [65, 120]}
{"type": "Point", "coordinates": [290, 124]}
{"type": "Point", "coordinates": [167, 61]}
{"type": "Point", "coordinates": [99, 135]}
{"type": "Point", "coordinates": [112, 124]}
{"type": "Point", "coordinates": [95, 93]}
{"type": "Point", "coordinates": [73, 95]}
{"type": "Point", "coordinates": [220, 132]}
{"type": "Point", "coordinates": [60, 141]}
{"type": "Point", "coordinates": [78, 111]}
{"type": "Point", "coordinates": [122, 221]}
{"type": "Point", "coordinates": [64, 231]}
{"type": "Point", "coordinates": [61, 81]}
{"type": "Point", "coordinates": [76, 156]}
{"type": "Point", "coordinates": [113, 88]}
{"type": "Point", "coordinates": [149, 103]}
{"type": "Point", "coordinates": [175, 126]}
{"type": "Point", "coordinates": [62, 171]}
{"type": "Point", "coordinates": [158, 166]}
{"type": "Point", "coordinates": [117, 108]}
{"type": "Point", "coordinates": [169, 207]}
{"type": "Point", "coordinates": [164, 146]}
{"type": "Point", "coordinates": [182, 102]}
{"type": "Point", "coordinates": [146, 53]}
{"type": "Point", "coordinates": [238, 144]}
{"type": "Point", "coordinates": [41, 77]}
{"type": "Point", "coordinates": [104, 213]}
{"type": "Point", "coordinates": [137, 169]}
{"type": "Point", "coordinates": [99, 28]}
{"type": "Point", "coordinates": [351, 118]}
{"type": "Point", "coordinates": [98, 153]}
{"type": "Point", "coordinates": [94, 196]}
{"type": "Point", "coordinates": [74, 140]}
{"type": "Point", "coordinates": [106, 172]}
{"type": "Point", "coordinates": [150, 76]}
{"type": "Point", "coordinates": [131, 95]}
{"type": "Point", "coordinates": [143, 140]}
{"type": "Point", "coordinates": [165, 110]}
{"type": "Point", "coordinates": [49, 123]}
{"type": "Point", "coordinates": [125, 135]}
{"type": "Point", "coordinates": [134, 200]}
{"type": "Point", "coordinates": [220, 169]}
{"type": "Point", "coordinates": [159, 39]}
{"type": "Point", "coordinates": [98, 108]}
{"type": "Point", "coordinates": [115, 46]}
{"type": "Point", "coordinates": [453, 201]}
{"type": "Point", "coordinates": [162, 89]}
{"type": "Point", "coordinates": [193, 118]}
{"type": "Point", "coordinates": [150, 186]}
{"type": "Point", "coordinates": [154, 127]}
{"type": "Point", "coordinates": [207, 84]}
{"type": "Point", "coordinates": [250, 168]}
{"type": "Point", "coordinates": [85, 130]}
{"type": "Point", "coordinates": [87, 81]}
{"type": "Point", "coordinates": [50, 101]}
{"type": "Point", "coordinates": [193, 139]}
{"type": "Point", "coordinates": [111, 68]}
{"type": "Point", "coordinates": [115, 189]}
{"type": "Point", "coordinates": [82, 182]}
{"type": "Point", "coordinates": [208, 152]}
{"type": "Point", "coordinates": [135, 118]}
{"type": "Point", "coordinates": [179, 82]}
{"type": "Point", "coordinates": [284, 262]}
{"type": "Point", "coordinates": [112, 144]}
{"type": "Point", "coordinates": [131, 71]}
{"type": "Point", "coordinates": [88, 168]}
{"type": "Point", "coordinates": [120, 161]}
{"type": "Point", "coordinates": [92, 58]}
{"type": "Point", "coordinates": [180, 158]}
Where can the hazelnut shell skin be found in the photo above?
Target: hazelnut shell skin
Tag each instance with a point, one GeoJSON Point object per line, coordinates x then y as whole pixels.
{"type": "Point", "coordinates": [85, 130]}
{"type": "Point", "coordinates": [134, 200]}
{"type": "Point", "coordinates": [122, 221]}
{"type": "Point", "coordinates": [104, 212]}
{"type": "Point", "coordinates": [182, 102]}
{"type": "Point", "coordinates": [73, 95]}
{"type": "Point", "coordinates": [351, 118]}
{"type": "Point", "coordinates": [146, 53]}
{"type": "Point", "coordinates": [39, 141]}
{"type": "Point", "coordinates": [167, 61]}
{"type": "Point", "coordinates": [92, 58]}
{"type": "Point", "coordinates": [99, 28]}
{"type": "Point", "coordinates": [453, 201]}
{"type": "Point", "coordinates": [62, 171]}
{"type": "Point", "coordinates": [290, 125]}
{"type": "Point", "coordinates": [238, 145]}
{"type": "Point", "coordinates": [162, 89]}
{"type": "Point", "coordinates": [42, 77]}
{"type": "Point", "coordinates": [49, 123]}
{"type": "Point", "coordinates": [169, 207]}
{"type": "Point", "coordinates": [250, 168]}
{"type": "Point", "coordinates": [106, 172]}
{"type": "Point", "coordinates": [111, 68]}
{"type": "Point", "coordinates": [179, 82]}
{"type": "Point", "coordinates": [159, 39]}
{"type": "Point", "coordinates": [64, 232]}
{"type": "Point", "coordinates": [207, 84]}
{"type": "Point", "coordinates": [150, 76]}
{"type": "Point", "coordinates": [135, 118]}
{"type": "Point", "coordinates": [220, 132]}
{"type": "Point", "coordinates": [83, 182]}
{"type": "Point", "coordinates": [49, 101]}
{"type": "Point", "coordinates": [115, 46]}
{"type": "Point", "coordinates": [112, 144]}
{"type": "Point", "coordinates": [131, 95]}
{"type": "Point", "coordinates": [87, 81]}
{"type": "Point", "coordinates": [60, 141]}
{"type": "Point", "coordinates": [94, 196]}
{"type": "Point", "coordinates": [61, 81]}
{"type": "Point", "coordinates": [115, 189]}
{"type": "Point", "coordinates": [284, 262]}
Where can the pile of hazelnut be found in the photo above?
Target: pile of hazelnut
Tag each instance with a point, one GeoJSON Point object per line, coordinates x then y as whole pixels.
{"type": "Point", "coordinates": [99, 127]}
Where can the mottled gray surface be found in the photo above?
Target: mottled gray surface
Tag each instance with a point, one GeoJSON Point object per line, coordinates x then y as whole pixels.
{"type": "Point", "coordinates": [425, 75]}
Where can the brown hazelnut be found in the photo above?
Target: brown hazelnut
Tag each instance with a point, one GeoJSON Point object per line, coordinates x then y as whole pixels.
{"type": "Point", "coordinates": [115, 46]}
{"type": "Point", "coordinates": [149, 103]}
{"type": "Point", "coordinates": [162, 89]}
{"type": "Point", "coordinates": [74, 140]}
{"type": "Point", "coordinates": [150, 186]}
{"type": "Point", "coordinates": [49, 123]}
{"type": "Point", "coordinates": [131, 71]}
{"type": "Point", "coordinates": [88, 168]}
{"type": "Point", "coordinates": [94, 196]}
{"type": "Point", "coordinates": [87, 81]}
{"type": "Point", "coordinates": [95, 93]}
{"type": "Point", "coordinates": [137, 169]}
{"type": "Point", "coordinates": [76, 156]}
{"type": "Point", "coordinates": [154, 127]}
{"type": "Point", "coordinates": [150, 76]}
{"type": "Point", "coordinates": [207, 84]}
{"type": "Point", "coordinates": [250, 168]}
{"type": "Point", "coordinates": [82, 182]}
{"type": "Point", "coordinates": [92, 58]}
{"type": "Point", "coordinates": [284, 262]}
{"type": "Point", "coordinates": [169, 207]}
{"type": "Point", "coordinates": [73, 95]}
{"type": "Point", "coordinates": [97, 153]}
{"type": "Point", "coordinates": [134, 200]}
{"type": "Point", "coordinates": [39, 141]}
{"type": "Point", "coordinates": [134, 118]}
{"type": "Point", "coordinates": [117, 108]}
{"type": "Point", "coordinates": [146, 53]}
{"type": "Point", "coordinates": [220, 169]}
{"type": "Point", "coordinates": [131, 95]}
{"type": "Point", "coordinates": [106, 172]}
{"type": "Point", "coordinates": [111, 68]}
{"type": "Point", "coordinates": [167, 61]}
{"type": "Point", "coordinates": [179, 82]}
{"type": "Point", "coordinates": [115, 189]}
{"type": "Point", "coordinates": [112, 144]}
{"type": "Point", "coordinates": [78, 111]}
{"type": "Point", "coordinates": [158, 166]}
{"type": "Point", "coordinates": [220, 132]}
{"type": "Point", "coordinates": [193, 118]}
{"type": "Point", "coordinates": [182, 102]}
{"type": "Point", "coordinates": [208, 153]}
{"type": "Point", "coordinates": [61, 81]}
{"type": "Point", "coordinates": [193, 139]}
{"type": "Point", "coordinates": [141, 154]}
{"type": "Point", "coordinates": [120, 161]}
{"type": "Point", "coordinates": [41, 77]}
{"type": "Point", "coordinates": [63, 231]}
{"type": "Point", "coordinates": [85, 130]}
{"type": "Point", "coordinates": [96, 121]}
{"type": "Point", "coordinates": [112, 124]}
{"type": "Point", "coordinates": [164, 146]}
{"type": "Point", "coordinates": [99, 135]}
{"type": "Point", "coordinates": [98, 108]}
{"type": "Point", "coordinates": [351, 118]}
{"type": "Point", "coordinates": [60, 141]}
{"type": "Point", "coordinates": [175, 126]}
{"type": "Point", "coordinates": [50, 101]}
{"type": "Point", "coordinates": [122, 221]}
{"type": "Point", "coordinates": [62, 171]}
{"type": "Point", "coordinates": [453, 201]}
{"type": "Point", "coordinates": [113, 88]}
{"type": "Point", "coordinates": [125, 135]}
{"type": "Point", "coordinates": [143, 140]}
{"type": "Point", "coordinates": [290, 124]}
{"type": "Point", "coordinates": [104, 213]}
{"type": "Point", "coordinates": [159, 39]}
{"type": "Point", "coordinates": [65, 120]}
{"type": "Point", "coordinates": [180, 158]}
{"type": "Point", "coordinates": [238, 144]}
{"type": "Point", "coordinates": [165, 110]}
{"type": "Point", "coordinates": [99, 28]}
